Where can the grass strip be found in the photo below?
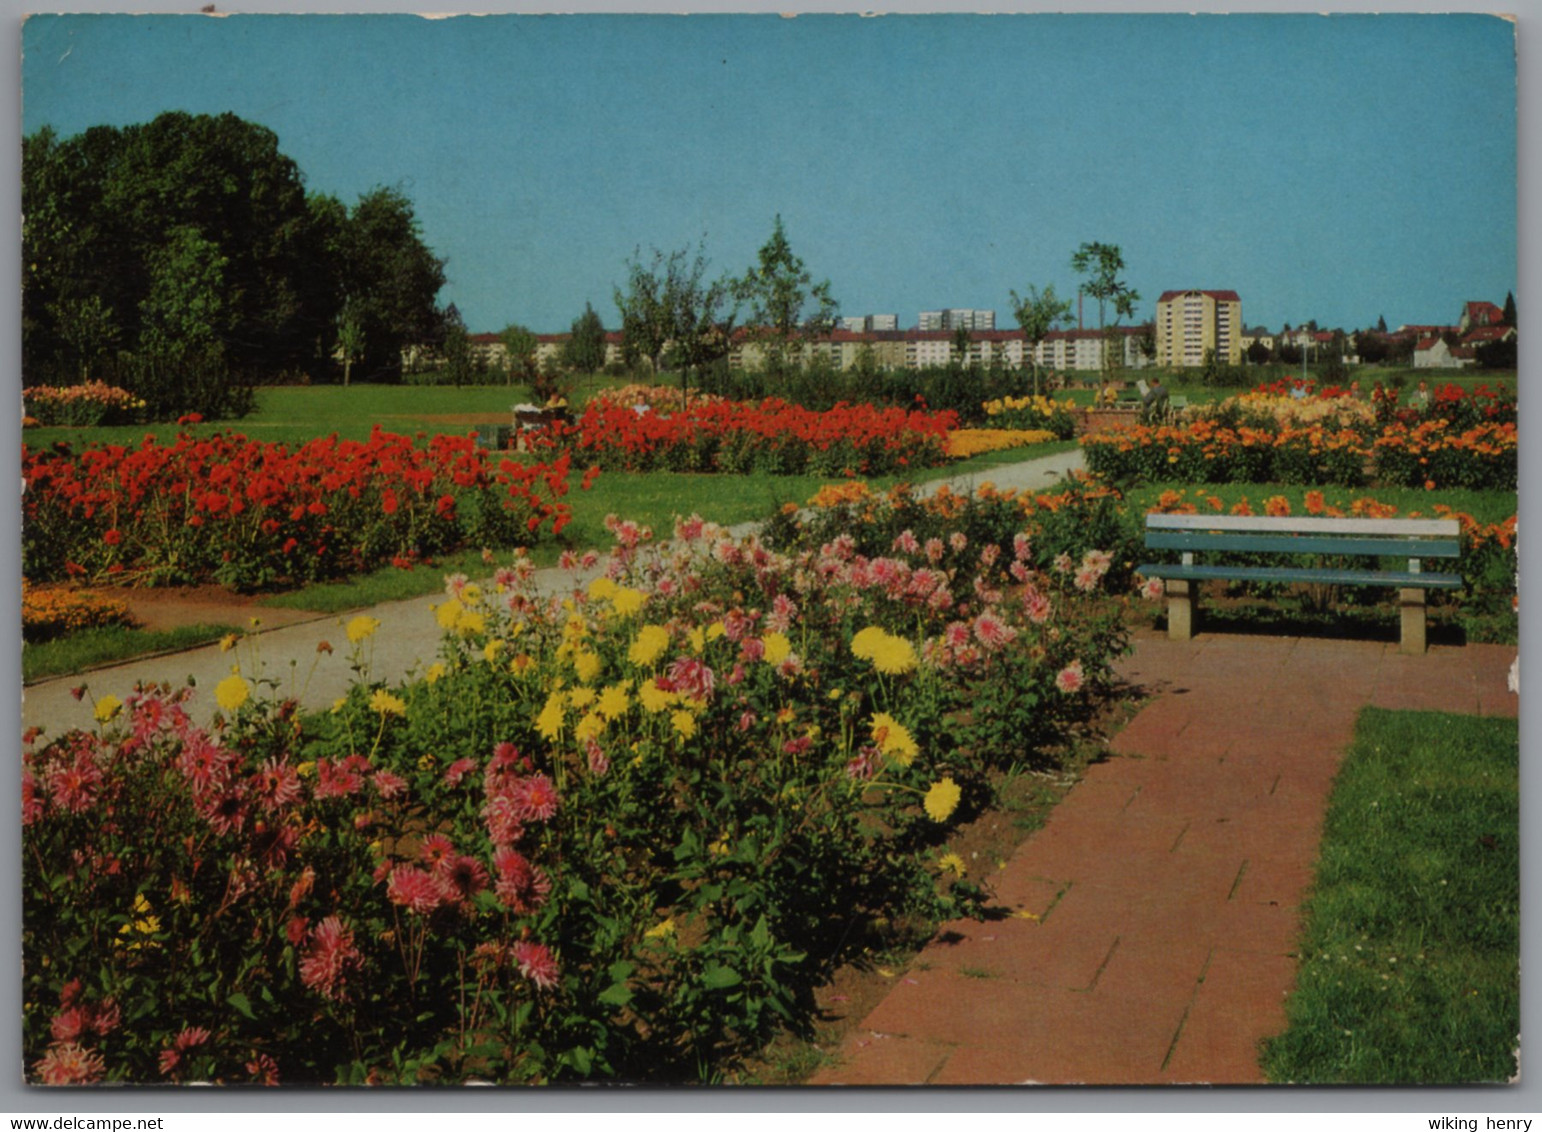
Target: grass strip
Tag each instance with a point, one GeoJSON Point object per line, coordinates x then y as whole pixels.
{"type": "Point", "coordinates": [1409, 967]}
{"type": "Point", "coordinates": [108, 644]}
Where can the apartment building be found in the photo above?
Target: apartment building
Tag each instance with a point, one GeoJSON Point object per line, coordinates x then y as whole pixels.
{"type": "Point", "coordinates": [1191, 323]}
{"type": "Point", "coordinates": [956, 318]}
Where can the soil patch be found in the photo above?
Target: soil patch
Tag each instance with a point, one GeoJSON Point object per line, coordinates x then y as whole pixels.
{"type": "Point", "coordinates": [177, 607]}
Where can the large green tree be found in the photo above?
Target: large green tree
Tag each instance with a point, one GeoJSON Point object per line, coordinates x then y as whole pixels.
{"type": "Point", "coordinates": [189, 241]}
{"type": "Point", "coordinates": [1037, 313]}
{"type": "Point", "coordinates": [584, 351]}
{"type": "Point", "coordinates": [1102, 264]}
{"type": "Point", "coordinates": [784, 305]}
{"type": "Point", "coordinates": [670, 312]}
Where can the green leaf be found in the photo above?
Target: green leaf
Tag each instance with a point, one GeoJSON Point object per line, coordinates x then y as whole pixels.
{"type": "Point", "coordinates": [243, 1004]}
{"type": "Point", "coordinates": [717, 977]}
{"type": "Point", "coordinates": [617, 994]}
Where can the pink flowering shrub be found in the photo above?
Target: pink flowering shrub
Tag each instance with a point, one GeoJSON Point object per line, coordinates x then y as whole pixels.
{"type": "Point", "coordinates": [619, 831]}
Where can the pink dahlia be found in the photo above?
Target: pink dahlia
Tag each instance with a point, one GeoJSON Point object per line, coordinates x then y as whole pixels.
{"type": "Point", "coordinates": [69, 1063]}
{"type": "Point", "coordinates": [536, 963]}
{"type": "Point", "coordinates": [534, 798]}
{"type": "Point", "coordinates": [415, 889]}
{"type": "Point", "coordinates": [1070, 678]}
{"type": "Point", "coordinates": [330, 958]}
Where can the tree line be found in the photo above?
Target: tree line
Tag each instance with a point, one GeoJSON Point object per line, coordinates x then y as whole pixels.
{"type": "Point", "coordinates": [184, 260]}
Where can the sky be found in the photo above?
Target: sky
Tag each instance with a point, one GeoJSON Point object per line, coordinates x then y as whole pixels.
{"type": "Point", "coordinates": [1336, 168]}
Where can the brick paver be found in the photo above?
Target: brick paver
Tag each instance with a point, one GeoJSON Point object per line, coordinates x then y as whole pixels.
{"type": "Point", "coordinates": [1154, 917]}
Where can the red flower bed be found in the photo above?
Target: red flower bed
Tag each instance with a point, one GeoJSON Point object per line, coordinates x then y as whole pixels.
{"type": "Point", "coordinates": [249, 514]}
{"type": "Point", "coordinates": [772, 436]}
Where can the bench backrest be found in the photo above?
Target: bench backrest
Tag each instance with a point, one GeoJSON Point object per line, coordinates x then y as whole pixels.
{"type": "Point", "coordinates": [1400, 538]}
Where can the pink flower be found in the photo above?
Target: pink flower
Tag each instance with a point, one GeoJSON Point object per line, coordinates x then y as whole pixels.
{"type": "Point", "coordinates": [69, 1063]}
{"type": "Point", "coordinates": [73, 785]}
{"type": "Point", "coordinates": [264, 1070]}
{"type": "Point", "coordinates": [1063, 563]}
{"type": "Point", "coordinates": [225, 812]}
{"type": "Point", "coordinates": [31, 800]}
{"type": "Point", "coordinates": [69, 1023]}
{"type": "Point", "coordinates": [336, 779]}
{"type": "Point", "coordinates": [992, 631]}
{"type": "Point", "coordinates": [388, 784]}
{"type": "Point", "coordinates": [464, 877]}
{"type": "Point", "coordinates": [536, 963]}
{"type": "Point", "coordinates": [458, 770]}
{"type": "Point", "coordinates": [503, 824]}
{"type": "Point", "coordinates": [329, 959]}
{"type": "Point", "coordinates": [1087, 580]}
{"type": "Point", "coordinates": [1153, 589]}
{"type": "Point", "coordinates": [1035, 605]}
{"type": "Point", "coordinates": [906, 541]}
{"type": "Point", "coordinates": [599, 763]}
{"type": "Point", "coordinates": [691, 678]}
{"type": "Point", "coordinates": [276, 785]}
{"type": "Point", "coordinates": [415, 889]}
{"type": "Point", "coordinates": [752, 650]}
{"type": "Point", "coordinates": [521, 886]}
{"type": "Point", "coordinates": [864, 766]}
{"type": "Point", "coordinates": [989, 553]}
{"type": "Point", "coordinates": [436, 851]}
{"type": "Point", "coordinates": [1070, 678]}
{"type": "Point", "coordinates": [1021, 548]}
{"type": "Point", "coordinates": [934, 550]}
{"type": "Point", "coordinates": [958, 540]}
{"type": "Point", "coordinates": [956, 634]}
{"type": "Point", "coordinates": [783, 610]}
{"type": "Point", "coordinates": [534, 798]}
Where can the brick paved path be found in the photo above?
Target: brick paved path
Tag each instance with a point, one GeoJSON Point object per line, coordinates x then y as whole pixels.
{"type": "Point", "coordinates": [1155, 914]}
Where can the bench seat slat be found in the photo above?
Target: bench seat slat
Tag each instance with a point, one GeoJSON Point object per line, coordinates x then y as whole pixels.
{"type": "Point", "coordinates": [1300, 574]}
{"type": "Point", "coordinates": [1304, 544]}
{"type": "Point", "coordinates": [1270, 524]}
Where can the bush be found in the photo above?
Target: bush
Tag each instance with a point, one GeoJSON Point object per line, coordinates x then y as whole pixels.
{"type": "Point", "coordinates": [619, 833]}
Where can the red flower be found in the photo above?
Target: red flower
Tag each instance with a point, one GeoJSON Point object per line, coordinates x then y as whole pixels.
{"type": "Point", "coordinates": [415, 889]}
{"type": "Point", "coordinates": [534, 798]}
{"type": "Point", "coordinates": [536, 963]}
{"type": "Point", "coordinates": [330, 959]}
{"type": "Point", "coordinates": [113, 537]}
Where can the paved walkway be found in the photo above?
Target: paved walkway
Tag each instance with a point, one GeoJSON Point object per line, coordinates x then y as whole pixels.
{"type": "Point", "coordinates": [1155, 914]}
{"type": "Point", "coordinates": [408, 639]}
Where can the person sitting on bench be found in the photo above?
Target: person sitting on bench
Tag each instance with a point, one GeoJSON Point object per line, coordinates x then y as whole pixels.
{"type": "Point", "coordinates": [1154, 404]}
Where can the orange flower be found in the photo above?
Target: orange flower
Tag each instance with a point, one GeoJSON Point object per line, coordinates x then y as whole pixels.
{"type": "Point", "coordinates": [1314, 503]}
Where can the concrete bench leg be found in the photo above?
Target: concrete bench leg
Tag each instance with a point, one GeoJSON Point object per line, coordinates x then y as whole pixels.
{"type": "Point", "coordinates": [1181, 600]}
{"type": "Point", "coordinates": [1411, 604]}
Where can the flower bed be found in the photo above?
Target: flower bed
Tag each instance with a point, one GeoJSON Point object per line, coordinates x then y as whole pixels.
{"type": "Point", "coordinates": [1059, 417]}
{"type": "Point", "coordinates": [617, 832]}
{"type": "Point", "coordinates": [52, 611]}
{"type": "Point", "coordinates": [770, 437]}
{"type": "Point", "coordinates": [966, 442]}
{"type": "Point", "coordinates": [251, 514]}
{"type": "Point", "coordinates": [1432, 454]}
{"type": "Point", "coordinates": [660, 398]}
{"type": "Point", "coordinates": [91, 403]}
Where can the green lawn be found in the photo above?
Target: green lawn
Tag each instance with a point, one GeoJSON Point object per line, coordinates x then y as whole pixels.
{"type": "Point", "coordinates": [1409, 967]}
{"type": "Point", "coordinates": [1484, 506]}
{"type": "Point", "coordinates": [107, 644]}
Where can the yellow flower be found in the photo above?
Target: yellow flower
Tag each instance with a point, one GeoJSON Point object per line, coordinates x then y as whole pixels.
{"type": "Point", "coordinates": [942, 799]}
{"type": "Point", "coordinates": [614, 701]}
{"type": "Point", "coordinates": [468, 623]}
{"type": "Point", "coordinates": [580, 698]}
{"type": "Point", "coordinates": [648, 645]}
{"type": "Point", "coordinates": [719, 848]}
{"type": "Point", "coordinates": [435, 671]}
{"type": "Point", "coordinates": [141, 904]}
{"type": "Point", "coordinates": [778, 647]}
{"type": "Point", "coordinates": [864, 646]}
{"type": "Point", "coordinates": [684, 723]}
{"type": "Point", "coordinates": [602, 588]}
{"type": "Point", "coordinates": [361, 628]}
{"type": "Point", "coordinates": [305, 769]}
{"type": "Point", "coordinates": [549, 722]}
{"type": "Point", "coordinates": [591, 726]}
{"type": "Point", "coordinates": [952, 862]}
{"type": "Point", "coordinates": [448, 613]}
{"type": "Point", "coordinates": [387, 704]}
{"type": "Point", "coordinates": [426, 762]}
{"type": "Point", "coordinates": [492, 648]}
{"type": "Point", "coordinates": [586, 665]}
{"type": "Point", "coordinates": [894, 655]}
{"type": "Point", "coordinates": [661, 929]}
{"type": "Point", "coordinates": [652, 698]}
{"type": "Point", "coordinates": [697, 638]}
{"type": "Point", "coordinates": [107, 707]}
{"type": "Point", "coordinates": [893, 738]}
{"type": "Point", "coordinates": [627, 601]}
{"type": "Point", "coordinates": [471, 595]}
{"type": "Point", "coordinates": [231, 692]}
{"type": "Point", "coordinates": [228, 642]}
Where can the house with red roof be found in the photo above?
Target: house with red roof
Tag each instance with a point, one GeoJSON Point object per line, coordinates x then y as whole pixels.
{"type": "Point", "coordinates": [1478, 314]}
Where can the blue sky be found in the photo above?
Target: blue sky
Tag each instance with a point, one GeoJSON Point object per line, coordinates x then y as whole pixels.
{"type": "Point", "coordinates": [1336, 168]}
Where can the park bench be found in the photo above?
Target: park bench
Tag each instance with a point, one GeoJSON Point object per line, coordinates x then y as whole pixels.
{"type": "Point", "coordinates": [1292, 538]}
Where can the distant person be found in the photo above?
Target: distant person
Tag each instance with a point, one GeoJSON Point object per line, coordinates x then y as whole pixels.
{"type": "Point", "coordinates": [1108, 394]}
{"type": "Point", "coordinates": [1421, 397]}
{"type": "Point", "coordinates": [1154, 404]}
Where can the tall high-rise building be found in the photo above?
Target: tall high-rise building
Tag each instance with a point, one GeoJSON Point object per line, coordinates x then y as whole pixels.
{"type": "Point", "coordinates": [1191, 323]}
{"type": "Point", "coordinates": [865, 322]}
{"type": "Point", "coordinates": [956, 318]}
